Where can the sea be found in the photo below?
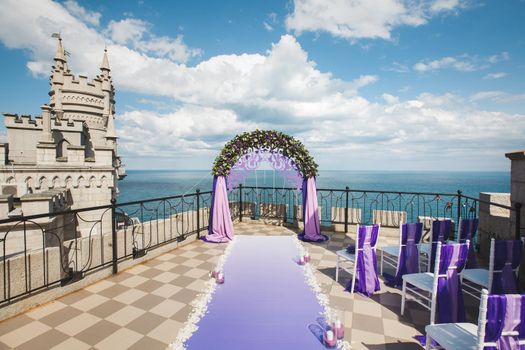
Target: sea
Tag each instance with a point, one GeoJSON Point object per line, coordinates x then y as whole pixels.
{"type": "Point", "coordinates": [147, 184]}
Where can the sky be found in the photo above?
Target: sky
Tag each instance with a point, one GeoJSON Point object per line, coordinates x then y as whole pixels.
{"type": "Point", "coordinates": [365, 85]}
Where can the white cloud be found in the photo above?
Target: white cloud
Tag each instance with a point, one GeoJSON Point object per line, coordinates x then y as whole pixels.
{"type": "Point", "coordinates": [282, 89]}
{"type": "Point", "coordinates": [268, 27]}
{"type": "Point", "coordinates": [137, 33]}
{"type": "Point", "coordinates": [375, 19]}
{"type": "Point", "coordinates": [504, 56]}
{"type": "Point", "coordinates": [90, 17]}
{"type": "Point", "coordinates": [493, 76]}
{"type": "Point", "coordinates": [464, 63]}
{"type": "Point", "coordinates": [497, 96]}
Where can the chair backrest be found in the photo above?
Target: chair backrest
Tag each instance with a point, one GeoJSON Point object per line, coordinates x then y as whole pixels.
{"type": "Point", "coordinates": [410, 232]}
{"type": "Point", "coordinates": [503, 253]}
{"type": "Point", "coordinates": [440, 230]}
{"type": "Point", "coordinates": [467, 229]}
{"type": "Point", "coordinates": [450, 261]}
{"type": "Point", "coordinates": [501, 321]}
{"type": "Point", "coordinates": [367, 235]}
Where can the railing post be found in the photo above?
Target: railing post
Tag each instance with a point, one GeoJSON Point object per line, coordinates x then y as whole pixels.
{"type": "Point", "coordinates": [517, 206]}
{"type": "Point", "coordinates": [198, 214]}
{"type": "Point", "coordinates": [459, 215]}
{"type": "Point", "coordinates": [240, 202]}
{"type": "Point", "coordinates": [114, 234]}
{"type": "Point", "coordinates": [347, 189]}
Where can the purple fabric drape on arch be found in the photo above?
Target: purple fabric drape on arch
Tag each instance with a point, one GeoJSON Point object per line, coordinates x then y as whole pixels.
{"type": "Point", "coordinates": [366, 280]}
{"type": "Point", "coordinates": [220, 228]}
{"type": "Point", "coordinates": [440, 233]}
{"type": "Point", "coordinates": [408, 259]}
{"type": "Point", "coordinates": [450, 305]}
{"type": "Point", "coordinates": [468, 230]}
{"type": "Point", "coordinates": [507, 257]}
{"type": "Point", "coordinates": [505, 313]}
{"type": "Point", "coordinates": [312, 224]}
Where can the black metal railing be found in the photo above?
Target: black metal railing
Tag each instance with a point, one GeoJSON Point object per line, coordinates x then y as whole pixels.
{"type": "Point", "coordinates": [54, 249]}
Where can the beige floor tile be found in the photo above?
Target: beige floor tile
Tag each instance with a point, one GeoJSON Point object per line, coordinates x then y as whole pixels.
{"type": "Point", "coordinates": [121, 339]}
{"type": "Point", "coordinates": [129, 296]}
{"type": "Point", "coordinates": [166, 332]}
{"type": "Point", "coordinates": [90, 302]}
{"type": "Point", "coordinates": [99, 286]}
{"type": "Point", "coordinates": [125, 315]}
{"type": "Point", "coordinates": [20, 335]}
{"type": "Point", "coordinates": [133, 281]}
{"type": "Point", "coordinates": [192, 262]}
{"type": "Point", "coordinates": [369, 308]}
{"type": "Point", "coordinates": [78, 324]}
{"type": "Point", "coordinates": [167, 308]}
{"type": "Point", "coordinates": [70, 344]}
{"type": "Point", "coordinates": [45, 310]}
{"type": "Point", "coordinates": [166, 291]}
{"type": "Point", "coordinates": [137, 269]}
{"type": "Point", "coordinates": [166, 277]}
{"type": "Point", "coordinates": [165, 266]}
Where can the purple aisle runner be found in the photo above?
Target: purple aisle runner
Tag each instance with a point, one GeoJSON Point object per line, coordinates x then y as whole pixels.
{"type": "Point", "coordinates": [265, 302]}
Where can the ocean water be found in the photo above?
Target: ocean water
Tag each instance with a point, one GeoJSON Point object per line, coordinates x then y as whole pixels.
{"type": "Point", "coordinates": [145, 184]}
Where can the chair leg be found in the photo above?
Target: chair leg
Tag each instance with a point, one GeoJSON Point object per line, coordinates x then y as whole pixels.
{"type": "Point", "coordinates": [381, 272]}
{"type": "Point", "coordinates": [403, 295]}
{"type": "Point", "coordinates": [337, 269]}
{"type": "Point", "coordinates": [428, 343]}
{"type": "Point", "coordinates": [353, 284]}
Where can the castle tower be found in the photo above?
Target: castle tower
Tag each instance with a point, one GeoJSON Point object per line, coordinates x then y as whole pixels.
{"type": "Point", "coordinates": [72, 146]}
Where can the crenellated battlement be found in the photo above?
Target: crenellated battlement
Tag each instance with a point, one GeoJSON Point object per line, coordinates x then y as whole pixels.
{"type": "Point", "coordinates": [35, 123]}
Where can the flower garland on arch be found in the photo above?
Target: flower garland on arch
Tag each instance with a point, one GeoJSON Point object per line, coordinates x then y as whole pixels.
{"type": "Point", "coordinates": [264, 140]}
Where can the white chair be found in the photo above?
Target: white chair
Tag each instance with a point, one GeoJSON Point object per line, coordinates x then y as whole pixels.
{"type": "Point", "coordinates": [423, 286]}
{"type": "Point", "coordinates": [390, 254]}
{"type": "Point", "coordinates": [463, 336]}
{"type": "Point", "coordinates": [347, 261]}
{"type": "Point", "coordinates": [474, 280]}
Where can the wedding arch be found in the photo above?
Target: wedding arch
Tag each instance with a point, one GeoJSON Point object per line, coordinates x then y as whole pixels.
{"type": "Point", "coordinates": [244, 153]}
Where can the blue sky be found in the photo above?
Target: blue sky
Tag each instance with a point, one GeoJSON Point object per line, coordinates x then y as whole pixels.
{"type": "Point", "coordinates": [371, 85]}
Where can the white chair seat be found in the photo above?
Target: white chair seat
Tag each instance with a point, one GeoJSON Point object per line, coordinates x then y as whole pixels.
{"type": "Point", "coordinates": [478, 276]}
{"type": "Point", "coordinates": [452, 336]}
{"type": "Point", "coordinates": [345, 255]}
{"type": "Point", "coordinates": [391, 250]}
{"type": "Point", "coordinates": [422, 281]}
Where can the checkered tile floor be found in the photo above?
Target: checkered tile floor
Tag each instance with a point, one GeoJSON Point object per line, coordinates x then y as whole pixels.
{"type": "Point", "coordinates": [144, 306]}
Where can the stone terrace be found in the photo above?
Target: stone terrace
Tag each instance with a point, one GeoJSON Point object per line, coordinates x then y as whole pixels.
{"type": "Point", "coordinates": [144, 307]}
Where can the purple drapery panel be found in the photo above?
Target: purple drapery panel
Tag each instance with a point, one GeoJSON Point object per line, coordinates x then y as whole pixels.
{"type": "Point", "coordinates": [366, 280]}
{"type": "Point", "coordinates": [505, 321]}
{"type": "Point", "coordinates": [468, 230]}
{"type": "Point", "coordinates": [507, 257]}
{"type": "Point", "coordinates": [440, 233]}
{"type": "Point", "coordinates": [408, 260]}
{"type": "Point", "coordinates": [312, 225]}
{"type": "Point", "coordinates": [221, 227]}
{"type": "Point", "coordinates": [450, 304]}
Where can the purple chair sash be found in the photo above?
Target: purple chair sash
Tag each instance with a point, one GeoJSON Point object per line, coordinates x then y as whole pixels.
{"type": "Point", "coordinates": [408, 260]}
{"type": "Point", "coordinates": [440, 233]}
{"type": "Point", "coordinates": [468, 230]}
{"type": "Point", "coordinates": [505, 317]}
{"type": "Point", "coordinates": [221, 227]}
{"type": "Point", "coordinates": [450, 305]}
{"type": "Point", "coordinates": [312, 225]}
{"type": "Point", "coordinates": [507, 257]}
{"type": "Point", "coordinates": [367, 281]}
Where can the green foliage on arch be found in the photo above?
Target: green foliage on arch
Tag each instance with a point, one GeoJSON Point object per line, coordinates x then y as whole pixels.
{"type": "Point", "coordinates": [264, 140]}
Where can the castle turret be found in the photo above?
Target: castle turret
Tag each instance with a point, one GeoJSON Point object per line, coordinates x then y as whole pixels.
{"type": "Point", "coordinates": [107, 89]}
{"type": "Point", "coordinates": [58, 71]}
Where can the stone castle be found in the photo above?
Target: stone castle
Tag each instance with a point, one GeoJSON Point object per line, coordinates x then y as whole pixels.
{"type": "Point", "coordinates": [67, 157]}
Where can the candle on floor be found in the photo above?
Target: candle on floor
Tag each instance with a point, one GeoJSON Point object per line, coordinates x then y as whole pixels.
{"type": "Point", "coordinates": [339, 329]}
{"type": "Point", "coordinates": [307, 257]}
{"type": "Point", "coordinates": [301, 260]}
{"type": "Point", "coordinates": [220, 278]}
{"type": "Point", "coordinates": [329, 339]}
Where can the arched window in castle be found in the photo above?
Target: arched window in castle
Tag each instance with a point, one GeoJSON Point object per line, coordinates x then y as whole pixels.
{"type": "Point", "coordinates": [62, 149]}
